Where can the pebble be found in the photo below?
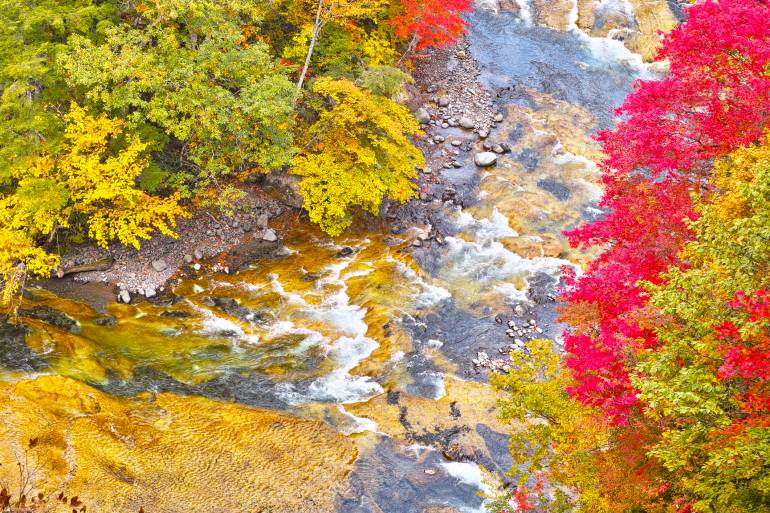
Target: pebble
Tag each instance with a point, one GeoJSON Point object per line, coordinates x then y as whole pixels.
{"type": "Point", "coordinates": [269, 235]}
{"type": "Point", "coordinates": [497, 149]}
{"type": "Point", "coordinates": [444, 101]}
{"type": "Point", "coordinates": [188, 259]}
{"type": "Point", "coordinates": [498, 117]}
{"type": "Point", "coordinates": [149, 292]}
{"type": "Point", "coordinates": [124, 296]}
{"type": "Point", "coordinates": [159, 265]}
{"type": "Point", "coordinates": [197, 267]}
{"type": "Point", "coordinates": [456, 142]}
{"type": "Point", "coordinates": [198, 254]}
{"type": "Point", "coordinates": [483, 134]}
{"type": "Point", "coordinates": [439, 138]}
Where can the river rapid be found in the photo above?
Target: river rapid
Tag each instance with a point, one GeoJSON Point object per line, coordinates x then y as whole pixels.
{"type": "Point", "coordinates": [339, 375]}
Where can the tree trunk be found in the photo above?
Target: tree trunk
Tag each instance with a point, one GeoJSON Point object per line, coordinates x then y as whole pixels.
{"type": "Point", "coordinates": [316, 32]}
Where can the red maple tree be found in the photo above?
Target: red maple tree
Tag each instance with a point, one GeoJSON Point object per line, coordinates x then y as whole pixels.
{"type": "Point", "coordinates": [433, 23]}
{"type": "Point", "coordinates": [715, 99]}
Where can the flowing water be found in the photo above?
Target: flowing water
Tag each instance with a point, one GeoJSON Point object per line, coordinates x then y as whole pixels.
{"type": "Point", "coordinates": [337, 376]}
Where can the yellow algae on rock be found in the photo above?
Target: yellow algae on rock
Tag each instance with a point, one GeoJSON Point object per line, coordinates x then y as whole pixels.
{"type": "Point", "coordinates": [466, 404]}
{"type": "Point", "coordinates": [556, 14]}
{"type": "Point", "coordinates": [652, 17]}
{"type": "Point", "coordinates": [166, 453]}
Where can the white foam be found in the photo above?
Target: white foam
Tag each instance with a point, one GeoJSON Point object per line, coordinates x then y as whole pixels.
{"type": "Point", "coordinates": [525, 11]}
{"type": "Point", "coordinates": [491, 261]}
{"type": "Point", "coordinates": [494, 228]}
{"type": "Point", "coordinates": [428, 295]}
{"type": "Point", "coordinates": [468, 473]}
{"type": "Point", "coordinates": [358, 424]}
{"type": "Point", "coordinates": [290, 297]}
{"type": "Point", "coordinates": [339, 386]}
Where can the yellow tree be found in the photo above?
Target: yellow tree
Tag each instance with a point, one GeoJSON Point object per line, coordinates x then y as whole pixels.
{"type": "Point", "coordinates": [88, 179]}
{"type": "Point", "coordinates": [358, 154]}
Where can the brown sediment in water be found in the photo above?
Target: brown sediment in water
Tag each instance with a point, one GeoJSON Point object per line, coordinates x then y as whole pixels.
{"type": "Point", "coordinates": [166, 453]}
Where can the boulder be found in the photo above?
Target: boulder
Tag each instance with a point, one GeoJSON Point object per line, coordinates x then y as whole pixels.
{"type": "Point", "coordinates": [467, 123]}
{"type": "Point", "coordinates": [269, 235]}
{"type": "Point", "coordinates": [422, 116]}
{"type": "Point", "coordinates": [485, 159]}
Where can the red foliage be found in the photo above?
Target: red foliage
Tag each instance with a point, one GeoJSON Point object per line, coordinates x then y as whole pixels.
{"type": "Point", "coordinates": [746, 353]}
{"type": "Point", "coordinates": [434, 22]}
{"type": "Point", "coordinates": [715, 99]}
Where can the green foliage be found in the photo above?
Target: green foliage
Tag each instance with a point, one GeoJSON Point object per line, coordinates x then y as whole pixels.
{"type": "Point", "coordinates": [213, 101]}
{"type": "Point", "coordinates": [385, 80]}
{"type": "Point", "coordinates": [357, 155]}
{"type": "Point", "coordinates": [710, 441]}
{"type": "Point", "coordinates": [93, 177]}
{"type": "Point", "coordinates": [34, 33]}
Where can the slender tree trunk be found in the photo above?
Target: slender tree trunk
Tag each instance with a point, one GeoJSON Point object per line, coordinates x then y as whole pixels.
{"type": "Point", "coordinates": [316, 32]}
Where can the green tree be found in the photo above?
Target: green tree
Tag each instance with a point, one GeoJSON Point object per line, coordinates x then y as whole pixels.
{"type": "Point", "coordinates": [93, 178]}
{"type": "Point", "coordinates": [192, 78]}
{"type": "Point", "coordinates": [714, 443]}
{"type": "Point", "coordinates": [357, 154]}
{"type": "Point", "coordinates": [32, 92]}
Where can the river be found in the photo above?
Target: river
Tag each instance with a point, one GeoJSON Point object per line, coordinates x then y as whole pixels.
{"type": "Point", "coordinates": [339, 375]}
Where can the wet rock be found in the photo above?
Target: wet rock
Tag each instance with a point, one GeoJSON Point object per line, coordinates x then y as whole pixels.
{"type": "Point", "coordinates": [311, 277]}
{"type": "Point", "coordinates": [422, 116]}
{"type": "Point", "coordinates": [558, 189]}
{"type": "Point", "coordinates": [498, 149]}
{"type": "Point", "coordinates": [15, 354]}
{"type": "Point", "coordinates": [345, 252]}
{"type": "Point", "coordinates": [159, 265]}
{"type": "Point", "coordinates": [124, 296]}
{"type": "Point", "coordinates": [232, 306]}
{"type": "Point", "coordinates": [483, 134]}
{"type": "Point", "coordinates": [269, 235]}
{"type": "Point", "coordinates": [498, 118]}
{"type": "Point", "coordinates": [51, 316]}
{"type": "Point", "coordinates": [106, 320]}
{"type": "Point", "coordinates": [176, 314]}
{"type": "Point", "coordinates": [485, 159]}
{"type": "Point", "coordinates": [150, 292]}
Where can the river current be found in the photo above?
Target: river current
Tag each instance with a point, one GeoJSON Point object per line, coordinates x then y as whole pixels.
{"type": "Point", "coordinates": [339, 375]}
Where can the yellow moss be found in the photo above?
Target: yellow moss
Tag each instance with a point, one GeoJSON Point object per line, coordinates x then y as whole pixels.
{"type": "Point", "coordinates": [652, 17]}
{"type": "Point", "coordinates": [167, 453]}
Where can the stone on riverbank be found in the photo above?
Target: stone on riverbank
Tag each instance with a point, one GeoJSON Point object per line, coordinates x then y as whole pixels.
{"type": "Point", "coordinates": [485, 159]}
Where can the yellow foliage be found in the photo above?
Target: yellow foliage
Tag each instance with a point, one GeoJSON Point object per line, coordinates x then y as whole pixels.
{"type": "Point", "coordinates": [358, 154]}
{"type": "Point", "coordinates": [86, 178]}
